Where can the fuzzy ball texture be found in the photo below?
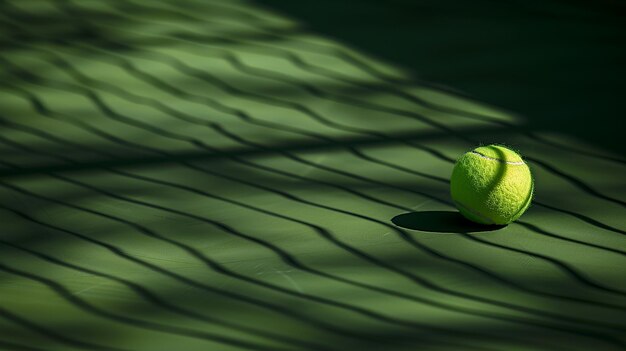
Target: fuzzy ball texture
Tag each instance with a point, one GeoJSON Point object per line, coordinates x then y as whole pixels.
{"type": "Point", "coordinates": [491, 185]}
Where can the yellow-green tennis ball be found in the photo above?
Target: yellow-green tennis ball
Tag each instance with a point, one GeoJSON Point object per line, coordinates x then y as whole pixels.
{"type": "Point", "coordinates": [491, 185]}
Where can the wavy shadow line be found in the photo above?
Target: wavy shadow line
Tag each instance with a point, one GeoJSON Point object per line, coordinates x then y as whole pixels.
{"type": "Point", "coordinates": [337, 52]}
{"type": "Point", "coordinates": [152, 298]}
{"type": "Point", "coordinates": [223, 85]}
{"type": "Point", "coordinates": [540, 325]}
{"type": "Point", "coordinates": [238, 113]}
{"type": "Point", "coordinates": [295, 198]}
{"type": "Point", "coordinates": [544, 232]}
{"type": "Point", "coordinates": [225, 293]}
{"type": "Point", "coordinates": [215, 266]}
{"type": "Point", "coordinates": [212, 103]}
{"type": "Point", "coordinates": [212, 79]}
{"type": "Point", "coordinates": [180, 93]}
{"type": "Point", "coordinates": [98, 102]}
{"type": "Point", "coordinates": [313, 90]}
{"type": "Point", "coordinates": [563, 175]}
{"type": "Point", "coordinates": [582, 217]}
{"type": "Point", "coordinates": [251, 15]}
{"type": "Point", "coordinates": [393, 82]}
{"type": "Point", "coordinates": [422, 102]}
{"type": "Point", "coordinates": [562, 266]}
{"type": "Point", "coordinates": [267, 33]}
{"type": "Point", "coordinates": [53, 335]}
{"type": "Point", "coordinates": [135, 201]}
{"type": "Point", "coordinates": [376, 88]}
{"type": "Point", "coordinates": [324, 94]}
{"type": "Point", "coordinates": [106, 110]}
{"type": "Point", "coordinates": [285, 256]}
{"type": "Point", "coordinates": [339, 331]}
{"type": "Point", "coordinates": [42, 110]}
{"type": "Point", "coordinates": [589, 189]}
{"type": "Point", "coordinates": [82, 304]}
{"type": "Point", "coordinates": [203, 193]}
{"type": "Point", "coordinates": [569, 270]}
{"type": "Point", "coordinates": [573, 180]}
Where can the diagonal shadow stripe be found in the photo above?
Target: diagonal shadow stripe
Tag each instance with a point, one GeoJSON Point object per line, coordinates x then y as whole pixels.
{"type": "Point", "coordinates": [567, 269]}
{"type": "Point", "coordinates": [212, 265]}
{"type": "Point", "coordinates": [321, 93]}
{"type": "Point", "coordinates": [575, 181]}
{"type": "Point", "coordinates": [544, 232]}
{"type": "Point", "coordinates": [196, 191]}
{"type": "Point", "coordinates": [319, 48]}
{"type": "Point", "coordinates": [179, 157]}
{"type": "Point", "coordinates": [286, 257]}
{"type": "Point", "coordinates": [298, 107]}
{"type": "Point", "coordinates": [219, 269]}
{"type": "Point", "coordinates": [212, 103]}
{"type": "Point", "coordinates": [588, 220]}
{"type": "Point", "coordinates": [243, 298]}
{"type": "Point", "coordinates": [338, 52]}
{"type": "Point", "coordinates": [582, 217]}
{"type": "Point", "coordinates": [571, 179]}
{"type": "Point", "coordinates": [295, 198]}
{"type": "Point", "coordinates": [215, 104]}
{"type": "Point", "coordinates": [53, 335]}
{"type": "Point", "coordinates": [196, 143]}
{"type": "Point", "coordinates": [339, 331]}
{"type": "Point", "coordinates": [82, 304]}
{"type": "Point", "coordinates": [151, 297]}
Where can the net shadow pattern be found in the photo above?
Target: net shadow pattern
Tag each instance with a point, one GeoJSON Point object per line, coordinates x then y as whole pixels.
{"type": "Point", "coordinates": [261, 156]}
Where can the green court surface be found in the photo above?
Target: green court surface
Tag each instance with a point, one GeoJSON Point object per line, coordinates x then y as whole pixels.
{"type": "Point", "coordinates": [219, 175]}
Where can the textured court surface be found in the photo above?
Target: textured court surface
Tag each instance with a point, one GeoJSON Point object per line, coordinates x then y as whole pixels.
{"type": "Point", "coordinates": [212, 177]}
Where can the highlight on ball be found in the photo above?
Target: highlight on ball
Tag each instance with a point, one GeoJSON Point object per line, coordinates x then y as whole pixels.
{"type": "Point", "coordinates": [492, 185]}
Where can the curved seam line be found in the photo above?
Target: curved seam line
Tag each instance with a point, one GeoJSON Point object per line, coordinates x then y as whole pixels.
{"type": "Point", "coordinates": [515, 163]}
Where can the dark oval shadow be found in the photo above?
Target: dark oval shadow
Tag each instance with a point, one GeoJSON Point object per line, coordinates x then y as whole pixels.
{"type": "Point", "coordinates": [441, 222]}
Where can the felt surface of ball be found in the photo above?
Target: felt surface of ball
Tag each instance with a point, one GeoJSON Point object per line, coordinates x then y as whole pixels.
{"type": "Point", "coordinates": [491, 185]}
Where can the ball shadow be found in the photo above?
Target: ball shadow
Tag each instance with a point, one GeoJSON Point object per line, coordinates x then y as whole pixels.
{"type": "Point", "coordinates": [441, 222]}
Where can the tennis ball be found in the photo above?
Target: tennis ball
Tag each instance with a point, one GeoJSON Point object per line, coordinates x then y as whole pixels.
{"type": "Point", "coordinates": [491, 185]}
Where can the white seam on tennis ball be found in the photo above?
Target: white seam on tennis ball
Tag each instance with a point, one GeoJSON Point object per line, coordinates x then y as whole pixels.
{"type": "Point", "coordinates": [515, 163]}
{"type": "Point", "coordinates": [474, 212]}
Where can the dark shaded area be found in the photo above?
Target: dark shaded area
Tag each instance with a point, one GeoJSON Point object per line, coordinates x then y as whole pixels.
{"type": "Point", "coordinates": [440, 222]}
{"type": "Point", "coordinates": [434, 221]}
{"type": "Point", "coordinates": [557, 63]}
